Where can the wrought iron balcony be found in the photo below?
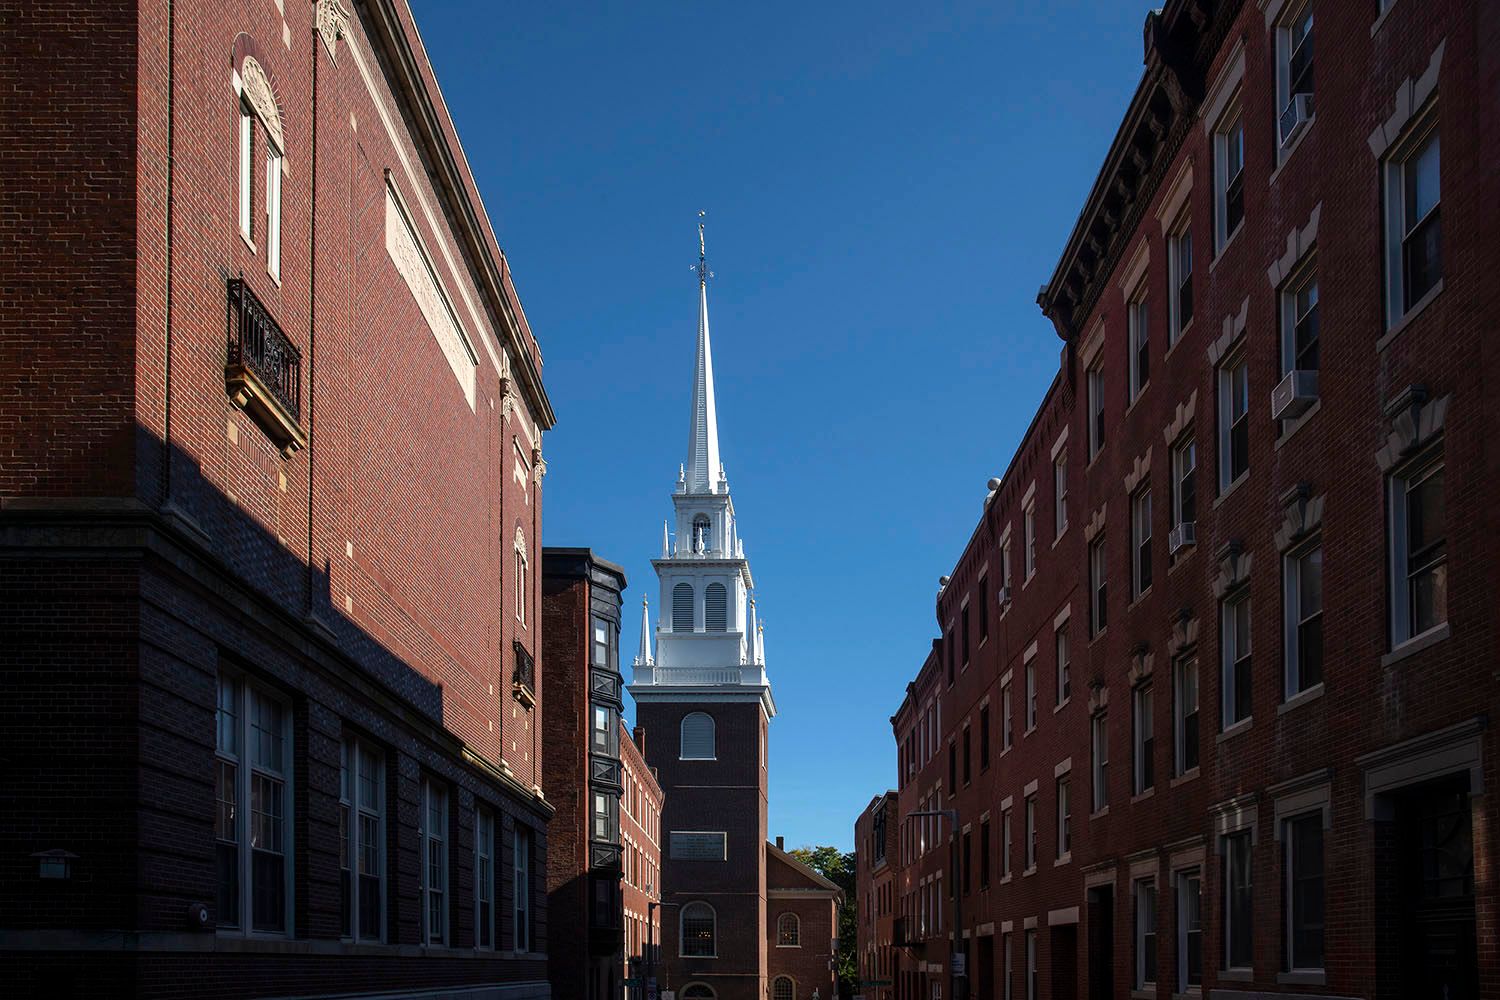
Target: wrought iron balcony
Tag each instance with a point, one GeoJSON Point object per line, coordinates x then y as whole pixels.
{"type": "Point", "coordinates": [263, 369]}
{"type": "Point", "coordinates": [524, 678]}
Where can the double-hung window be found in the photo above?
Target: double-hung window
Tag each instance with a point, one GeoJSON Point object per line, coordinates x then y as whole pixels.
{"type": "Point", "coordinates": [1299, 322]}
{"type": "Point", "coordinates": [484, 878]}
{"type": "Point", "coordinates": [1302, 839]}
{"type": "Point", "coordinates": [1005, 843]}
{"type": "Point", "coordinates": [1239, 902]}
{"type": "Point", "coordinates": [1234, 420]}
{"type": "Point", "coordinates": [1234, 624]}
{"type": "Point", "coordinates": [984, 738]}
{"type": "Point", "coordinates": [1096, 408]}
{"type": "Point", "coordinates": [1413, 218]}
{"type": "Point", "coordinates": [984, 853]}
{"type": "Point", "coordinates": [1140, 540]}
{"type": "Point", "coordinates": [1179, 278]}
{"type": "Point", "coordinates": [1140, 343]}
{"type": "Point", "coordinates": [1143, 769]}
{"type": "Point", "coordinates": [1184, 484]}
{"type": "Point", "coordinates": [1303, 581]}
{"type": "Point", "coordinates": [1189, 929]}
{"type": "Point", "coordinates": [1030, 672]}
{"type": "Point", "coordinates": [1028, 539]}
{"type": "Point", "coordinates": [1229, 175]}
{"type": "Point", "coordinates": [433, 835]}
{"type": "Point", "coordinates": [1007, 734]}
{"type": "Point", "coordinates": [1064, 667]}
{"type": "Point", "coordinates": [1064, 819]}
{"type": "Point", "coordinates": [253, 846]}
{"type": "Point", "coordinates": [362, 840]}
{"type": "Point", "coordinates": [1030, 832]}
{"type": "Point", "coordinates": [1294, 73]}
{"type": "Point", "coordinates": [1098, 594]}
{"type": "Point", "coordinates": [1099, 734]}
{"type": "Point", "coordinates": [1145, 933]}
{"type": "Point", "coordinates": [523, 935]}
{"type": "Point", "coordinates": [1060, 493]}
{"type": "Point", "coordinates": [1185, 714]}
{"type": "Point", "coordinates": [254, 137]}
{"type": "Point", "coordinates": [1418, 548]}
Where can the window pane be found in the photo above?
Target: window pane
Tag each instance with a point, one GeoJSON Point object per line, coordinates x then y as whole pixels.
{"type": "Point", "coordinates": [1305, 844]}
{"type": "Point", "coordinates": [229, 717]}
{"type": "Point", "coordinates": [1421, 179]}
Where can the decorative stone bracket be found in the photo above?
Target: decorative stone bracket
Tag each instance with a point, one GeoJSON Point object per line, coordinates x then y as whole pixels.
{"type": "Point", "coordinates": [1415, 422]}
{"type": "Point", "coordinates": [1234, 329]}
{"type": "Point", "coordinates": [1303, 516]}
{"type": "Point", "coordinates": [1234, 568]}
{"type": "Point", "coordinates": [1184, 631]}
{"type": "Point", "coordinates": [1141, 662]}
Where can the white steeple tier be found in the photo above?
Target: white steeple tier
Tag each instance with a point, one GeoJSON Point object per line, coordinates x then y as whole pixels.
{"type": "Point", "coordinates": [707, 647]}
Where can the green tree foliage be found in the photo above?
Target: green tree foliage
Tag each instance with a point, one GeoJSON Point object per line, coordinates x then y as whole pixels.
{"type": "Point", "coordinates": [838, 867]}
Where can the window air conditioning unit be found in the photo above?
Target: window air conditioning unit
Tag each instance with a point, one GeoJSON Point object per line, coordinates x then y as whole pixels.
{"type": "Point", "coordinates": [1294, 394]}
{"type": "Point", "coordinates": [1180, 537]}
{"type": "Point", "coordinates": [1296, 115]}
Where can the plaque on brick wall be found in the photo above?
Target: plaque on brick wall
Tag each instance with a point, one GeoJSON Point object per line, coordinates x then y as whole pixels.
{"type": "Point", "coordinates": [697, 846]}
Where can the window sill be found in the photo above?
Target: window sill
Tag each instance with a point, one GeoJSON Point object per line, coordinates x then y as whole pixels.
{"type": "Point", "coordinates": [799, 946]}
{"type": "Point", "coordinates": [1301, 698]}
{"type": "Point", "coordinates": [1099, 813]}
{"type": "Point", "coordinates": [1061, 705]}
{"type": "Point", "coordinates": [1302, 977]}
{"type": "Point", "coordinates": [246, 240]}
{"type": "Point", "coordinates": [1137, 599]}
{"type": "Point", "coordinates": [1174, 341]}
{"type": "Point", "coordinates": [1243, 726]}
{"type": "Point", "coordinates": [1005, 880]}
{"type": "Point", "coordinates": [1029, 730]}
{"type": "Point", "coordinates": [1224, 248]}
{"type": "Point", "coordinates": [1409, 317]}
{"type": "Point", "coordinates": [1059, 536]}
{"type": "Point", "coordinates": [1192, 993]}
{"type": "Point", "coordinates": [1225, 492]}
{"type": "Point", "coordinates": [1236, 975]}
{"type": "Point", "coordinates": [1028, 872]}
{"type": "Point", "coordinates": [1381, 19]}
{"type": "Point", "coordinates": [1416, 644]}
{"type": "Point", "coordinates": [1173, 561]}
{"type": "Point", "coordinates": [1284, 156]}
{"type": "Point", "coordinates": [1183, 778]}
{"type": "Point", "coordinates": [1063, 859]}
{"type": "Point", "coordinates": [1147, 992]}
{"type": "Point", "coordinates": [1143, 796]}
{"type": "Point", "coordinates": [1098, 635]}
{"type": "Point", "coordinates": [1290, 427]}
{"type": "Point", "coordinates": [1137, 398]}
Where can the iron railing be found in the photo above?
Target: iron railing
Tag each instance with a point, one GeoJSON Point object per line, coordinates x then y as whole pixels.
{"type": "Point", "coordinates": [524, 677]}
{"type": "Point", "coordinates": [257, 344]}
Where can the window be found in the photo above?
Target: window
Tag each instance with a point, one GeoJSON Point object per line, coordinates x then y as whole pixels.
{"type": "Point", "coordinates": [984, 853]}
{"type": "Point", "coordinates": [1299, 323]}
{"type": "Point", "coordinates": [1009, 971]}
{"type": "Point", "coordinates": [1189, 928]}
{"type": "Point", "coordinates": [1007, 736]}
{"type": "Point", "coordinates": [484, 879]}
{"type": "Point", "coordinates": [701, 526]}
{"type": "Point", "coordinates": [968, 757]}
{"type": "Point", "coordinates": [698, 991]}
{"type": "Point", "coordinates": [1303, 579]}
{"type": "Point", "coordinates": [1031, 973]}
{"type": "Point", "coordinates": [251, 139]}
{"type": "Point", "coordinates": [1143, 767]}
{"type": "Point", "coordinates": [433, 833]}
{"type": "Point", "coordinates": [1184, 476]}
{"type": "Point", "coordinates": [605, 735]}
{"type": "Point", "coordinates": [1028, 539]}
{"type": "Point", "coordinates": [253, 846]}
{"type": "Point", "coordinates": [1234, 622]}
{"type": "Point", "coordinates": [1098, 596]}
{"type": "Point", "coordinates": [1100, 740]}
{"type": "Point", "coordinates": [1030, 832]}
{"type": "Point", "coordinates": [1145, 933]}
{"type": "Point", "coordinates": [273, 212]}
{"type": "Point", "coordinates": [1185, 714]}
{"type": "Point", "coordinates": [699, 933]}
{"type": "Point", "coordinates": [1418, 544]}
{"type": "Point", "coordinates": [783, 989]}
{"type": "Point", "coordinates": [967, 859]}
{"type": "Point", "coordinates": [1096, 409]}
{"type": "Point", "coordinates": [523, 932]}
{"type": "Point", "coordinates": [984, 738]}
{"type": "Point", "coordinates": [1005, 843]}
{"type": "Point", "coordinates": [952, 765]}
{"type": "Point", "coordinates": [1030, 694]}
{"type": "Point", "coordinates": [247, 172]}
{"type": "Point", "coordinates": [1005, 579]}
{"type": "Point", "coordinates": [604, 650]}
{"type": "Point", "coordinates": [1140, 343]}
{"type": "Point", "coordinates": [1229, 175]}
{"type": "Point", "coordinates": [1413, 219]}
{"type": "Point", "coordinates": [1239, 902]}
{"type": "Point", "coordinates": [1064, 666]}
{"type": "Point", "coordinates": [1294, 72]}
{"type": "Point", "coordinates": [788, 931]}
{"type": "Point", "coordinates": [1064, 819]}
{"type": "Point", "coordinates": [521, 576]}
{"type": "Point", "coordinates": [605, 816]}
{"type": "Point", "coordinates": [1303, 842]}
{"type": "Point", "coordinates": [1234, 420]}
{"type": "Point", "coordinates": [698, 737]}
{"type": "Point", "coordinates": [682, 607]}
{"type": "Point", "coordinates": [362, 840]}
{"type": "Point", "coordinates": [1060, 493]}
{"type": "Point", "coordinates": [1140, 540]}
{"type": "Point", "coordinates": [715, 608]}
{"type": "Point", "coordinates": [1180, 279]}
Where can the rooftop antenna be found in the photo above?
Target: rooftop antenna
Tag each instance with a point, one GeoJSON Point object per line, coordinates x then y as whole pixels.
{"type": "Point", "coordinates": [703, 272]}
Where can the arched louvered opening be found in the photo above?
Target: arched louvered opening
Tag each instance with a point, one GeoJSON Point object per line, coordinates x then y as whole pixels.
{"type": "Point", "coordinates": [789, 931]}
{"type": "Point", "coordinates": [682, 607]}
{"type": "Point", "coordinates": [783, 989]}
{"type": "Point", "coordinates": [701, 525]}
{"type": "Point", "coordinates": [699, 991]}
{"type": "Point", "coordinates": [698, 736]}
{"type": "Point", "coordinates": [716, 608]}
{"type": "Point", "coordinates": [699, 932]}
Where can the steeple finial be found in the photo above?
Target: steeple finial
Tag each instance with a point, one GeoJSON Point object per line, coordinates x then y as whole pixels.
{"type": "Point", "coordinates": [703, 439]}
{"type": "Point", "coordinates": [643, 658]}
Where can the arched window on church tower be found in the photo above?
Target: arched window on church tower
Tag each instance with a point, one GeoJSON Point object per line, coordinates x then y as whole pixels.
{"type": "Point", "coordinates": [788, 931]}
{"type": "Point", "coordinates": [698, 742]}
{"type": "Point", "coordinates": [682, 607]}
{"type": "Point", "coordinates": [701, 525]}
{"type": "Point", "coordinates": [715, 608]}
{"type": "Point", "coordinates": [699, 931]}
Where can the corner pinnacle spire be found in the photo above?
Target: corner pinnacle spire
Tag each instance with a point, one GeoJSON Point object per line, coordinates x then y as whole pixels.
{"type": "Point", "coordinates": [704, 472]}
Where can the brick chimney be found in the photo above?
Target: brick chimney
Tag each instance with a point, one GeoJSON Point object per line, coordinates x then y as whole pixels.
{"type": "Point", "coordinates": [781, 843]}
{"type": "Point", "coordinates": [639, 735]}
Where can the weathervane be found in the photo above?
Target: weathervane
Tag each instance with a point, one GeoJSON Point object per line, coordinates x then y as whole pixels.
{"type": "Point", "coordinates": [703, 272]}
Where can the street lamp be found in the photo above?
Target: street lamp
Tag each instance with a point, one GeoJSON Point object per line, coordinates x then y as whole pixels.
{"type": "Point", "coordinates": [651, 907]}
{"type": "Point", "coordinates": [958, 979]}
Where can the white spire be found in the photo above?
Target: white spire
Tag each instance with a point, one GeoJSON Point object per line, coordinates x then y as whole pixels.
{"type": "Point", "coordinates": [666, 546]}
{"type": "Point", "coordinates": [703, 467]}
{"type": "Point", "coordinates": [752, 632]}
{"type": "Point", "coordinates": [643, 658]}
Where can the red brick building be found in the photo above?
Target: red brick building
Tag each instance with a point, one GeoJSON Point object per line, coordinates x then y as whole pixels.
{"type": "Point", "coordinates": [802, 925]}
{"type": "Point", "coordinates": [876, 865]}
{"type": "Point", "coordinates": [1175, 774]}
{"type": "Point", "coordinates": [270, 510]}
{"type": "Point", "coordinates": [640, 840]}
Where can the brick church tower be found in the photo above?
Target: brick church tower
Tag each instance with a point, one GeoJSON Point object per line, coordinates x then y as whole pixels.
{"type": "Point", "coordinates": [705, 703]}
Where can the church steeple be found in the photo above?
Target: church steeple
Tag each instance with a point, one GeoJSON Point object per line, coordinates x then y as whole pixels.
{"type": "Point", "coordinates": [704, 473]}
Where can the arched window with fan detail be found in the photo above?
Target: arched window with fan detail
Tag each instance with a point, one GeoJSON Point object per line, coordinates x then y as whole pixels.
{"type": "Point", "coordinates": [701, 525]}
{"type": "Point", "coordinates": [698, 739]}
{"type": "Point", "coordinates": [682, 607]}
{"type": "Point", "coordinates": [715, 608]}
{"type": "Point", "coordinates": [699, 931]}
{"type": "Point", "coordinates": [783, 989]}
{"type": "Point", "coordinates": [789, 931]}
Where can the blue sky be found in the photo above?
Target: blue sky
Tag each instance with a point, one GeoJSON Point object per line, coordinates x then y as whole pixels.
{"type": "Point", "coordinates": [887, 186]}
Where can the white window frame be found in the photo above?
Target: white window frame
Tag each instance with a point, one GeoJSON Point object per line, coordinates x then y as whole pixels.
{"type": "Point", "coordinates": [1295, 616]}
{"type": "Point", "coordinates": [1424, 125]}
{"type": "Point", "coordinates": [353, 810]}
{"type": "Point", "coordinates": [1031, 973]}
{"type": "Point", "coordinates": [1143, 925]}
{"type": "Point", "coordinates": [1143, 719]}
{"type": "Point", "coordinates": [1064, 816]}
{"type": "Point", "coordinates": [522, 932]}
{"type": "Point", "coordinates": [1031, 833]}
{"type": "Point", "coordinates": [796, 935]}
{"type": "Point", "coordinates": [1234, 369]}
{"type": "Point", "coordinates": [1184, 469]}
{"type": "Point", "coordinates": [1138, 321]}
{"type": "Point", "coordinates": [1247, 837]}
{"type": "Point", "coordinates": [1305, 278]}
{"type": "Point", "coordinates": [1029, 671]}
{"type": "Point", "coordinates": [484, 875]}
{"type": "Point", "coordinates": [1099, 760]}
{"type": "Point", "coordinates": [246, 771]}
{"type": "Point", "coordinates": [1399, 485]}
{"type": "Point", "coordinates": [435, 867]}
{"type": "Point", "coordinates": [247, 172]}
{"type": "Point", "coordinates": [521, 575]}
{"type": "Point", "coordinates": [1063, 664]}
{"type": "Point", "coordinates": [1060, 493]}
{"type": "Point", "coordinates": [1010, 972]}
{"type": "Point", "coordinates": [273, 211]}
{"type": "Point", "coordinates": [1232, 121]}
{"type": "Point", "coordinates": [1007, 732]}
{"type": "Point", "coordinates": [1184, 668]}
{"type": "Point", "coordinates": [1184, 879]}
{"type": "Point", "coordinates": [1288, 884]}
{"type": "Point", "coordinates": [1230, 656]}
{"type": "Point", "coordinates": [1179, 272]}
{"type": "Point", "coordinates": [1028, 539]}
{"type": "Point", "coordinates": [1006, 843]}
{"type": "Point", "coordinates": [1284, 95]}
{"type": "Point", "coordinates": [713, 737]}
{"type": "Point", "coordinates": [1098, 586]}
{"type": "Point", "coordinates": [1140, 541]}
{"type": "Point", "coordinates": [1095, 385]}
